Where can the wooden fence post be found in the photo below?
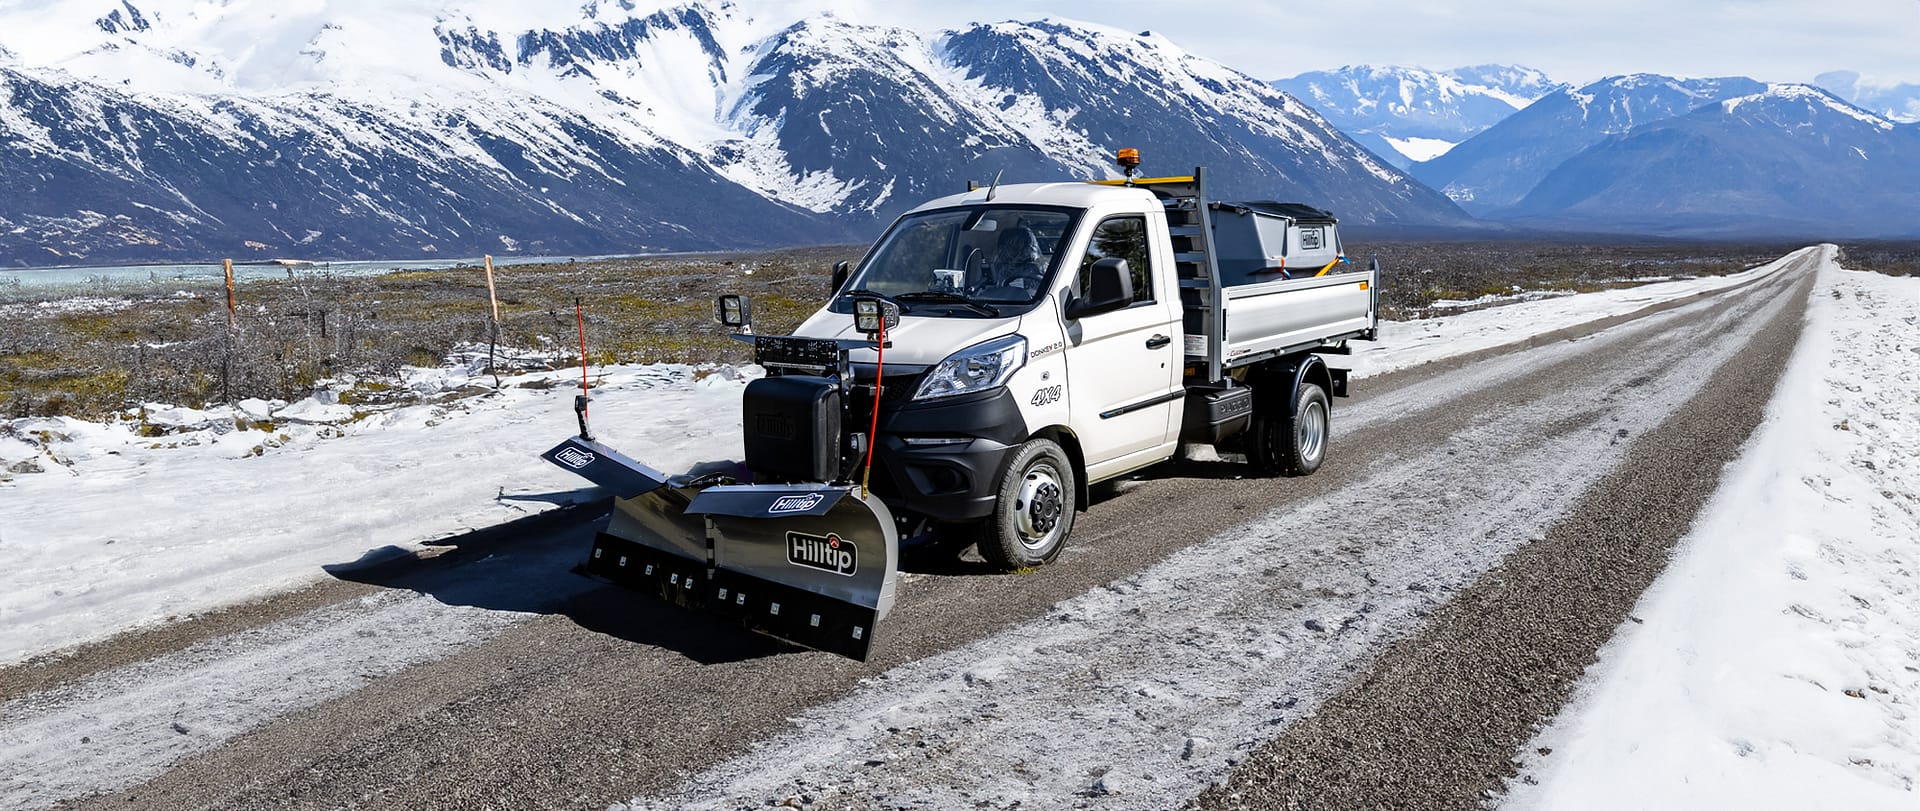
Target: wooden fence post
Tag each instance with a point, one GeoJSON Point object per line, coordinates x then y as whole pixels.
{"type": "Point", "coordinates": [493, 329]}
{"type": "Point", "coordinates": [491, 298]}
{"type": "Point", "coordinates": [230, 319]}
{"type": "Point", "coordinates": [226, 361]}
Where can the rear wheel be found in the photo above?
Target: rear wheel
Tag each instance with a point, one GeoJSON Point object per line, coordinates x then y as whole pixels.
{"type": "Point", "coordinates": [1290, 444]}
{"type": "Point", "coordinates": [1034, 508]}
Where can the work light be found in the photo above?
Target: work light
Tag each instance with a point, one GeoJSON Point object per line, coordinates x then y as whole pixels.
{"type": "Point", "coordinates": [871, 314]}
{"type": "Point", "coordinates": [733, 311]}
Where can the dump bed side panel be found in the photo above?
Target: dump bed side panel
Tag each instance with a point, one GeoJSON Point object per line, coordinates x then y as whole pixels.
{"type": "Point", "coordinates": [1277, 315]}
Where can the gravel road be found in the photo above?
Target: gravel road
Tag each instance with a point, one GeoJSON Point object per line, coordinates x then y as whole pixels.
{"type": "Point", "coordinates": [1436, 721]}
{"type": "Point", "coordinates": [1383, 633]}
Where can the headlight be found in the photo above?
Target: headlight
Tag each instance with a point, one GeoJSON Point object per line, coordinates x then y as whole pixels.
{"type": "Point", "coordinates": [979, 367]}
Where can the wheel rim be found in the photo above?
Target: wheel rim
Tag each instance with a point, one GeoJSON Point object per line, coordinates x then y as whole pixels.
{"type": "Point", "coordinates": [1038, 509]}
{"type": "Point", "coordinates": [1312, 425]}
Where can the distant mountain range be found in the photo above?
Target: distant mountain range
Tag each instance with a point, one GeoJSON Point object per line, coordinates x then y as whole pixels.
{"type": "Point", "coordinates": [1412, 114]}
{"type": "Point", "coordinates": [1656, 155]}
{"type": "Point", "coordinates": [1499, 166]}
{"type": "Point", "coordinates": [143, 130]}
{"type": "Point", "coordinates": [1791, 160]}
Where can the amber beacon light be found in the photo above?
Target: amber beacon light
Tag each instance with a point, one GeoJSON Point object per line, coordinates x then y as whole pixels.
{"type": "Point", "coordinates": [1129, 160]}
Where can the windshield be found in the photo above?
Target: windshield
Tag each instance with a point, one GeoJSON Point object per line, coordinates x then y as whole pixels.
{"type": "Point", "coordinates": [964, 258]}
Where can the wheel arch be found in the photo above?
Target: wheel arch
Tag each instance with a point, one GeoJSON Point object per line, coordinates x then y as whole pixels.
{"type": "Point", "coordinates": [1296, 371]}
{"type": "Point", "coordinates": [1065, 438]}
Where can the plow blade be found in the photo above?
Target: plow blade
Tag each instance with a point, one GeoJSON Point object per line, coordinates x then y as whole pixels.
{"type": "Point", "coordinates": [811, 564]}
{"type": "Point", "coordinates": [820, 580]}
{"type": "Point", "coordinates": [606, 467]}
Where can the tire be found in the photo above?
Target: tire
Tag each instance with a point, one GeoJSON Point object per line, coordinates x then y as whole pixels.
{"type": "Point", "coordinates": [1033, 509]}
{"type": "Point", "coordinates": [1290, 444]}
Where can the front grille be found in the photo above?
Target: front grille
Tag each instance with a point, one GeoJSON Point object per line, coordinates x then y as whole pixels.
{"type": "Point", "coordinates": [899, 383]}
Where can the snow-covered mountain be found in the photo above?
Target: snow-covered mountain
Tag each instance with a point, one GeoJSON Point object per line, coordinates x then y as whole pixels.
{"type": "Point", "coordinates": [1789, 161]}
{"type": "Point", "coordinates": [1496, 168]}
{"type": "Point", "coordinates": [98, 174]}
{"type": "Point", "coordinates": [1409, 114]}
{"type": "Point", "coordinates": [1899, 102]}
{"type": "Point", "coordinates": [175, 129]}
{"type": "Point", "coordinates": [1071, 84]}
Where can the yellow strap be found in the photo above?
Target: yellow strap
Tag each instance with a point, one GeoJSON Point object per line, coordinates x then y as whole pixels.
{"type": "Point", "coordinates": [1323, 271]}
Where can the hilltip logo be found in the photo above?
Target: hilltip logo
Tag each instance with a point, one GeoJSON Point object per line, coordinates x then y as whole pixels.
{"type": "Point", "coordinates": [574, 458]}
{"type": "Point", "coordinates": [795, 504]}
{"type": "Point", "coordinates": [830, 554]}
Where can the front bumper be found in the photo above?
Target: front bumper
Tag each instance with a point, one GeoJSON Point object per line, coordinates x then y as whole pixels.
{"type": "Point", "coordinates": [942, 459]}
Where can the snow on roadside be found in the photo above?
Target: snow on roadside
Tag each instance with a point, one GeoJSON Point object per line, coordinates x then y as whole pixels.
{"type": "Point", "coordinates": [104, 529]}
{"type": "Point", "coordinates": [1776, 663]}
{"type": "Point", "coordinates": [119, 529]}
{"type": "Point", "coordinates": [1411, 343]}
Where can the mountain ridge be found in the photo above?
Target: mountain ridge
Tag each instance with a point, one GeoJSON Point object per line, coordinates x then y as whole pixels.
{"type": "Point", "coordinates": [1497, 167]}
{"type": "Point", "coordinates": [1404, 113]}
{"type": "Point", "coordinates": [460, 128]}
{"type": "Point", "coordinates": [1791, 160]}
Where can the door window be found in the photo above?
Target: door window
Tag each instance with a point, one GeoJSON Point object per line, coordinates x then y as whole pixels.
{"type": "Point", "coordinates": [1124, 238]}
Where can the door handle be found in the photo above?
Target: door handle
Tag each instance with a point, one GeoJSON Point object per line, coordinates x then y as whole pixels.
{"type": "Point", "coordinates": [1158, 341]}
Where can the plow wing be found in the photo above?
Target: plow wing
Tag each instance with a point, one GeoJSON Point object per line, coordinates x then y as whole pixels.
{"type": "Point", "coordinates": [813, 564]}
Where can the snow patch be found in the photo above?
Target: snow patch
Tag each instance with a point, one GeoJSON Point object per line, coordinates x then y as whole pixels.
{"type": "Point", "coordinates": [1421, 149]}
{"type": "Point", "coordinates": [1772, 664]}
{"type": "Point", "coordinates": [1811, 95]}
{"type": "Point", "coordinates": [126, 527]}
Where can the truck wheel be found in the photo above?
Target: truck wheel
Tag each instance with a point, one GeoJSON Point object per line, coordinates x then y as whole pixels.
{"type": "Point", "coordinates": [1291, 445]}
{"type": "Point", "coordinates": [1033, 511]}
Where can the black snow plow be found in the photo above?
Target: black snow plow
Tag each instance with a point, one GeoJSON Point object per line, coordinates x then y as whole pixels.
{"type": "Point", "coordinates": [788, 544]}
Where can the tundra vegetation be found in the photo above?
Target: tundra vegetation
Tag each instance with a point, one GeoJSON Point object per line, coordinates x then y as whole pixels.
{"type": "Point", "coordinates": [112, 346]}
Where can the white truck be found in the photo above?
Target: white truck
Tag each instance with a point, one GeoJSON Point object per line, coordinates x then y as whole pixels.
{"type": "Point", "coordinates": [995, 354]}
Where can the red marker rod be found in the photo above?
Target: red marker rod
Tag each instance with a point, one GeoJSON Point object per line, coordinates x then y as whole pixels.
{"type": "Point", "coordinates": [580, 403]}
{"type": "Point", "coordinates": [873, 430]}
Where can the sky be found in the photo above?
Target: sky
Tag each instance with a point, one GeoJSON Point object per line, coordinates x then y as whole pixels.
{"type": "Point", "coordinates": [1574, 41]}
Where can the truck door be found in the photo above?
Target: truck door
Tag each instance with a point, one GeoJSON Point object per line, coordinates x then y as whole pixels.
{"type": "Point", "coordinates": [1123, 367]}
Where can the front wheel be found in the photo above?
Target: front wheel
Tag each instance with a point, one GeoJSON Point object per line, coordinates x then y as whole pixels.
{"type": "Point", "coordinates": [1033, 510]}
{"type": "Point", "coordinates": [1291, 444]}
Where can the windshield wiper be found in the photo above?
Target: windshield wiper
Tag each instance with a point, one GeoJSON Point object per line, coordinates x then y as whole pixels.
{"type": "Point", "coordinates": [943, 297]}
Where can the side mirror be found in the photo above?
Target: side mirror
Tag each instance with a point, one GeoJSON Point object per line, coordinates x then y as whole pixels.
{"type": "Point", "coordinates": [841, 270]}
{"type": "Point", "coordinates": [734, 311]}
{"type": "Point", "coordinates": [1109, 288]}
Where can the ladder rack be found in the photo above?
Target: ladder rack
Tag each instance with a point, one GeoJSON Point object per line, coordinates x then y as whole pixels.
{"type": "Point", "coordinates": [1202, 294]}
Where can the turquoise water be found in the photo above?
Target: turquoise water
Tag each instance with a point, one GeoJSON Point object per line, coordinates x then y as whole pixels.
{"type": "Point", "coordinates": [116, 276]}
